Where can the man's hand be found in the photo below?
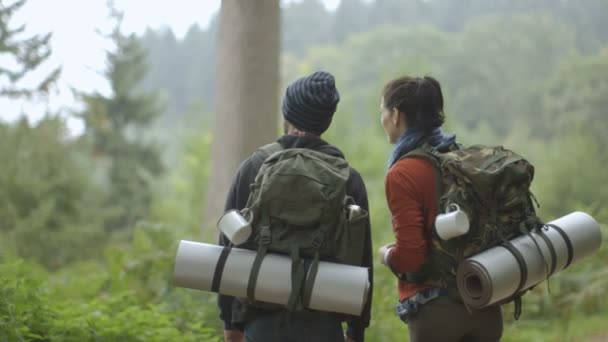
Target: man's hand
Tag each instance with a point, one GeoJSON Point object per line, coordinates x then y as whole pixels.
{"type": "Point", "coordinates": [233, 336]}
{"type": "Point", "coordinates": [348, 339]}
{"type": "Point", "coordinates": [383, 250]}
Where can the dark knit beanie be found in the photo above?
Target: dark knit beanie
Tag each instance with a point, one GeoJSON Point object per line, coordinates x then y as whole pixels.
{"type": "Point", "coordinates": [311, 101]}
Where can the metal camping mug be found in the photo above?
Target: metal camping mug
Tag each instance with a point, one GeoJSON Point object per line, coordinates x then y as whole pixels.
{"type": "Point", "coordinates": [236, 228]}
{"type": "Point", "coordinates": [453, 223]}
{"type": "Point", "coordinates": [354, 212]}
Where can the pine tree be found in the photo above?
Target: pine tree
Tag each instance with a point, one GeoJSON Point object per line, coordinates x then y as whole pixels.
{"type": "Point", "coordinates": [25, 55]}
{"type": "Point", "coordinates": [115, 126]}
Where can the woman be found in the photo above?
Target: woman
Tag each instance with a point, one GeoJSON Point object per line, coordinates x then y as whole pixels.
{"type": "Point", "coordinates": [412, 115]}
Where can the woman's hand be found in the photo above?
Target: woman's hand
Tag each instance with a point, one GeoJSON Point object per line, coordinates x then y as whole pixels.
{"type": "Point", "coordinates": [382, 252]}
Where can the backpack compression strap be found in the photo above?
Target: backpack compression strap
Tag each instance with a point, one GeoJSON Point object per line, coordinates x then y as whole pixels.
{"type": "Point", "coordinates": [299, 269]}
{"type": "Point", "coordinates": [219, 269]}
{"type": "Point", "coordinates": [313, 268]}
{"type": "Point", "coordinates": [266, 238]}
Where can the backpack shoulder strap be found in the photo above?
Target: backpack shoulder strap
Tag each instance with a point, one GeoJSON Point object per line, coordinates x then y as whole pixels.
{"type": "Point", "coordinates": [428, 153]}
{"type": "Point", "coordinates": [267, 150]}
{"type": "Point", "coordinates": [422, 153]}
{"type": "Point", "coordinates": [431, 154]}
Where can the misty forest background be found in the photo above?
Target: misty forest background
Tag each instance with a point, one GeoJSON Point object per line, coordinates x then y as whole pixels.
{"type": "Point", "coordinates": [89, 224]}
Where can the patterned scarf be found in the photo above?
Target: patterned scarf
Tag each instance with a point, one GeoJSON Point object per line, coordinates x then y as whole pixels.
{"type": "Point", "coordinates": [413, 138]}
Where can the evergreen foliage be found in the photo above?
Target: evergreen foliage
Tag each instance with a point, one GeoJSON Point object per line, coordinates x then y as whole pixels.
{"type": "Point", "coordinates": [89, 225]}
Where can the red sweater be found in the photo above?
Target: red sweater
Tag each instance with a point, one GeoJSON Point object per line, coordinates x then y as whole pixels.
{"type": "Point", "coordinates": [410, 193]}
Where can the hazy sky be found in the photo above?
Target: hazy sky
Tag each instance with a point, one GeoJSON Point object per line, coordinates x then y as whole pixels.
{"type": "Point", "coordinates": [81, 51]}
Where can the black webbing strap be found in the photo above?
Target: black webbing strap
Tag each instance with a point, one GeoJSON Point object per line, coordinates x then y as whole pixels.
{"type": "Point", "coordinates": [517, 309]}
{"type": "Point", "coordinates": [298, 275]}
{"type": "Point", "coordinates": [523, 270]}
{"type": "Point", "coordinates": [566, 240]}
{"type": "Point", "coordinates": [540, 251]}
{"type": "Point", "coordinates": [265, 240]}
{"type": "Point", "coordinates": [311, 269]}
{"type": "Point", "coordinates": [417, 277]}
{"type": "Point", "coordinates": [523, 267]}
{"type": "Point", "coordinates": [549, 244]}
{"type": "Point", "coordinates": [219, 269]}
{"type": "Point", "coordinates": [255, 270]}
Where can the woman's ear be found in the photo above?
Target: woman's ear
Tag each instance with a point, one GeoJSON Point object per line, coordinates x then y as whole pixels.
{"type": "Point", "coordinates": [395, 116]}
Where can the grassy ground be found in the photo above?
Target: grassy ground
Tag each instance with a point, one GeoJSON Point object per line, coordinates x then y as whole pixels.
{"type": "Point", "coordinates": [581, 328]}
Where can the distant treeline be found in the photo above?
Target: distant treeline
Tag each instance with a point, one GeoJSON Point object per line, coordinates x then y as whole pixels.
{"type": "Point", "coordinates": [184, 68]}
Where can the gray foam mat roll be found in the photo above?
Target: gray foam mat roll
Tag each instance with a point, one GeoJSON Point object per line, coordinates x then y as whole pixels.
{"type": "Point", "coordinates": [336, 287]}
{"type": "Point", "coordinates": [495, 274]}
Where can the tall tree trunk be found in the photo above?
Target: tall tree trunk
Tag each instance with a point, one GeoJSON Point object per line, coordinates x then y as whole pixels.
{"type": "Point", "coordinates": [246, 100]}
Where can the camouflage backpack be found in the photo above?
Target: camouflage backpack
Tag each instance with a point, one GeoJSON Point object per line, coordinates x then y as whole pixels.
{"type": "Point", "coordinates": [492, 186]}
{"type": "Point", "coordinates": [298, 206]}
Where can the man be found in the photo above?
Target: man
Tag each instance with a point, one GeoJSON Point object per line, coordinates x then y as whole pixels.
{"type": "Point", "coordinates": [308, 107]}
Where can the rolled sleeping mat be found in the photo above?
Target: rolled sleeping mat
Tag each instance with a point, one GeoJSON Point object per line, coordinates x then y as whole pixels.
{"type": "Point", "coordinates": [503, 271]}
{"type": "Point", "coordinates": [337, 288]}
{"type": "Point", "coordinates": [334, 288]}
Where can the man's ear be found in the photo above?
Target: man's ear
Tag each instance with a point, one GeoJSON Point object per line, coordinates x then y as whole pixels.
{"type": "Point", "coordinates": [285, 126]}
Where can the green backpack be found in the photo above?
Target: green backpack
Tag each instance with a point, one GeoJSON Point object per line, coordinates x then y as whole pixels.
{"type": "Point", "coordinates": [492, 186]}
{"type": "Point", "coordinates": [298, 206]}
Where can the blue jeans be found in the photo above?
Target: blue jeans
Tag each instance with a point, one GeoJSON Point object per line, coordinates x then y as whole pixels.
{"type": "Point", "coordinates": [305, 326]}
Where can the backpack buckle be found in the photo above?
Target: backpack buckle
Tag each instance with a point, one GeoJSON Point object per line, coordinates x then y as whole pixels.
{"type": "Point", "coordinates": [265, 235]}
{"type": "Point", "coordinates": [317, 241]}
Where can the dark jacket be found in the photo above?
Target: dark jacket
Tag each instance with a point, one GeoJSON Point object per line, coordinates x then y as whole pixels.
{"type": "Point", "coordinates": [231, 311]}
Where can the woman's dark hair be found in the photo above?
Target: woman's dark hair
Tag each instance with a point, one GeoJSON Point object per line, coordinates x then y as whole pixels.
{"type": "Point", "coordinates": [419, 98]}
